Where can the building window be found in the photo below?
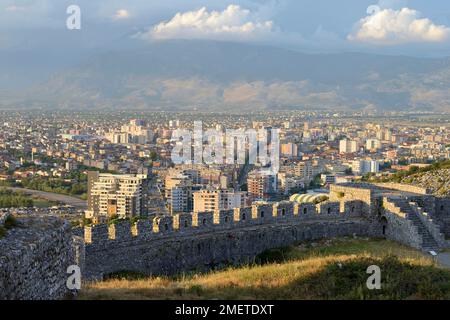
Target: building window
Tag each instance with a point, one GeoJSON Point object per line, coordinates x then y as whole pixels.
{"type": "Point", "coordinates": [283, 212]}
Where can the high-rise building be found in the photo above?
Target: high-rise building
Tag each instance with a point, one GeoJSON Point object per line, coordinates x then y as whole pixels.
{"type": "Point", "coordinates": [365, 166]}
{"type": "Point", "coordinates": [384, 134]}
{"type": "Point", "coordinates": [289, 150]}
{"type": "Point", "coordinates": [178, 193]}
{"type": "Point", "coordinates": [348, 146]}
{"type": "Point", "coordinates": [373, 144]}
{"type": "Point", "coordinates": [209, 200]}
{"type": "Point", "coordinates": [135, 132]}
{"type": "Point", "coordinates": [116, 196]}
{"type": "Point", "coordinates": [306, 170]}
{"type": "Point", "coordinates": [261, 186]}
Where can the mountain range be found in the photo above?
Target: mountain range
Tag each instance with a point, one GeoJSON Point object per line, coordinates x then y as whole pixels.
{"type": "Point", "coordinates": [209, 75]}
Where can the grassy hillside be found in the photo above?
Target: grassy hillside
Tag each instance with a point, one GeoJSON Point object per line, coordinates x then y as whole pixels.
{"type": "Point", "coordinates": [436, 178]}
{"type": "Point", "coordinates": [438, 181]}
{"type": "Point", "coordinates": [332, 269]}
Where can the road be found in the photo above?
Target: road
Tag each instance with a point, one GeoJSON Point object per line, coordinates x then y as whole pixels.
{"type": "Point", "coordinates": [72, 201]}
{"type": "Point", "coordinates": [243, 175]}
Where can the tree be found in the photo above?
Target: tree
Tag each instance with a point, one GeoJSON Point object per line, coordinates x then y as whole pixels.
{"type": "Point", "coordinates": [154, 156]}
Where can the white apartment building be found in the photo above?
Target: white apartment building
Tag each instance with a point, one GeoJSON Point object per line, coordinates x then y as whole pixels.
{"type": "Point", "coordinates": [362, 167]}
{"type": "Point", "coordinates": [348, 146]}
{"type": "Point", "coordinates": [373, 144]}
{"type": "Point", "coordinates": [178, 193]}
{"type": "Point", "coordinates": [134, 132]}
{"type": "Point", "coordinates": [116, 195]}
{"type": "Point", "coordinates": [210, 200]}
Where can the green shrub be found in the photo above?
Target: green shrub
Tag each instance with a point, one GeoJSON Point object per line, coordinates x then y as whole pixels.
{"type": "Point", "coordinates": [126, 275]}
{"type": "Point", "coordinates": [10, 222]}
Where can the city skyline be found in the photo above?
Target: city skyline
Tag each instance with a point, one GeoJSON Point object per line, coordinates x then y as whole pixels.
{"type": "Point", "coordinates": [231, 150]}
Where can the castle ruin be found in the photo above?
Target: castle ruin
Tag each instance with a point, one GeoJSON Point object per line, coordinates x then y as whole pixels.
{"type": "Point", "coordinates": [201, 241]}
{"type": "Point", "coordinates": [34, 259]}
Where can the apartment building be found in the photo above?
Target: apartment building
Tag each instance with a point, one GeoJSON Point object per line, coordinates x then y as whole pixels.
{"type": "Point", "coordinates": [210, 200]}
{"type": "Point", "coordinates": [116, 196]}
{"type": "Point", "coordinates": [365, 166]}
{"type": "Point", "coordinates": [178, 193]}
{"type": "Point", "coordinates": [373, 145]}
{"type": "Point", "coordinates": [348, 146]}
{"type": "Point", "coordinates": [261, 186]}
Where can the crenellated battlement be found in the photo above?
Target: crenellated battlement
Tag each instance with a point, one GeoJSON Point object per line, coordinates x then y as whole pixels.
{"type": "Point", "coordinates": [191, 242]}
{"type": "Point", "coordinates": [207, 222]}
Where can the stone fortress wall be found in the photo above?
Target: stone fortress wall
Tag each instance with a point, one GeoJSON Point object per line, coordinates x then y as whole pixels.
{"type": "Point", "coordinates": [34, 257]}
{"type": "Point", "coordinates": [201, 241]}
{"type": "Point", "coordinates": [441, 214]}
{"type": "Point", "coordinates": [403, 187]}
{"type": "Point", "coordinates": [408, 214]}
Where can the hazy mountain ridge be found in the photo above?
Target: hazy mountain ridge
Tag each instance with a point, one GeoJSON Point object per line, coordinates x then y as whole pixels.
{"type": "Point", "coordinates": [217, 75]}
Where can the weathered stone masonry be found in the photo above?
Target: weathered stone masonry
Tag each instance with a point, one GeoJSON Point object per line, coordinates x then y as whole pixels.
{"type": "Point", "coordinates": [172, 255]}
{"type": "Point", "coordinates": [34, 257]}
{"type": "Point", "coordinates": [408, 214]}
{"type": "Point", "coordinates": [199, 242]}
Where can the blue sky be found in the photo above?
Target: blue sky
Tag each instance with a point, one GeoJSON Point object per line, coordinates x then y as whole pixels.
{"type": "Point", "coordinates": [410, 27]}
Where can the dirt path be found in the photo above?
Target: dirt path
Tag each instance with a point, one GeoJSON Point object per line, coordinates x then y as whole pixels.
{"type": "Point", "coordinates": [72, 201]}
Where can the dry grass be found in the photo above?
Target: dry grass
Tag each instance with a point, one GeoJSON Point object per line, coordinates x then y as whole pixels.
{"type": "Point", "coordinates": [331, 270]}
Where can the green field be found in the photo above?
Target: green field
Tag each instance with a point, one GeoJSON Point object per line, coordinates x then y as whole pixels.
{"type": "Point", "coordinates": [43, 203]}
{"type": "Point", "coordinates": [332, 269]}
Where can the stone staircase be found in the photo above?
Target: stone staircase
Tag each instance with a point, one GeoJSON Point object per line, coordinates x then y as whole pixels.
{"type": "Point", "coordinates": [429, 242]}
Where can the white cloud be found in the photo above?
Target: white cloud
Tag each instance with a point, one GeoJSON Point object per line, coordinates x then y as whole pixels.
{"type": "Point", "coordinates": [233, 23]}
{"type": "Point", "coordinates": [121, 14]}
{"type": "Point", "coordinates": [390, 27]}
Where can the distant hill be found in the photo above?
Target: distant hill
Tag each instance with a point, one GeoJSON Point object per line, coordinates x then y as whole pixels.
{"type": "Point", "coordinates": [219, 75]}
